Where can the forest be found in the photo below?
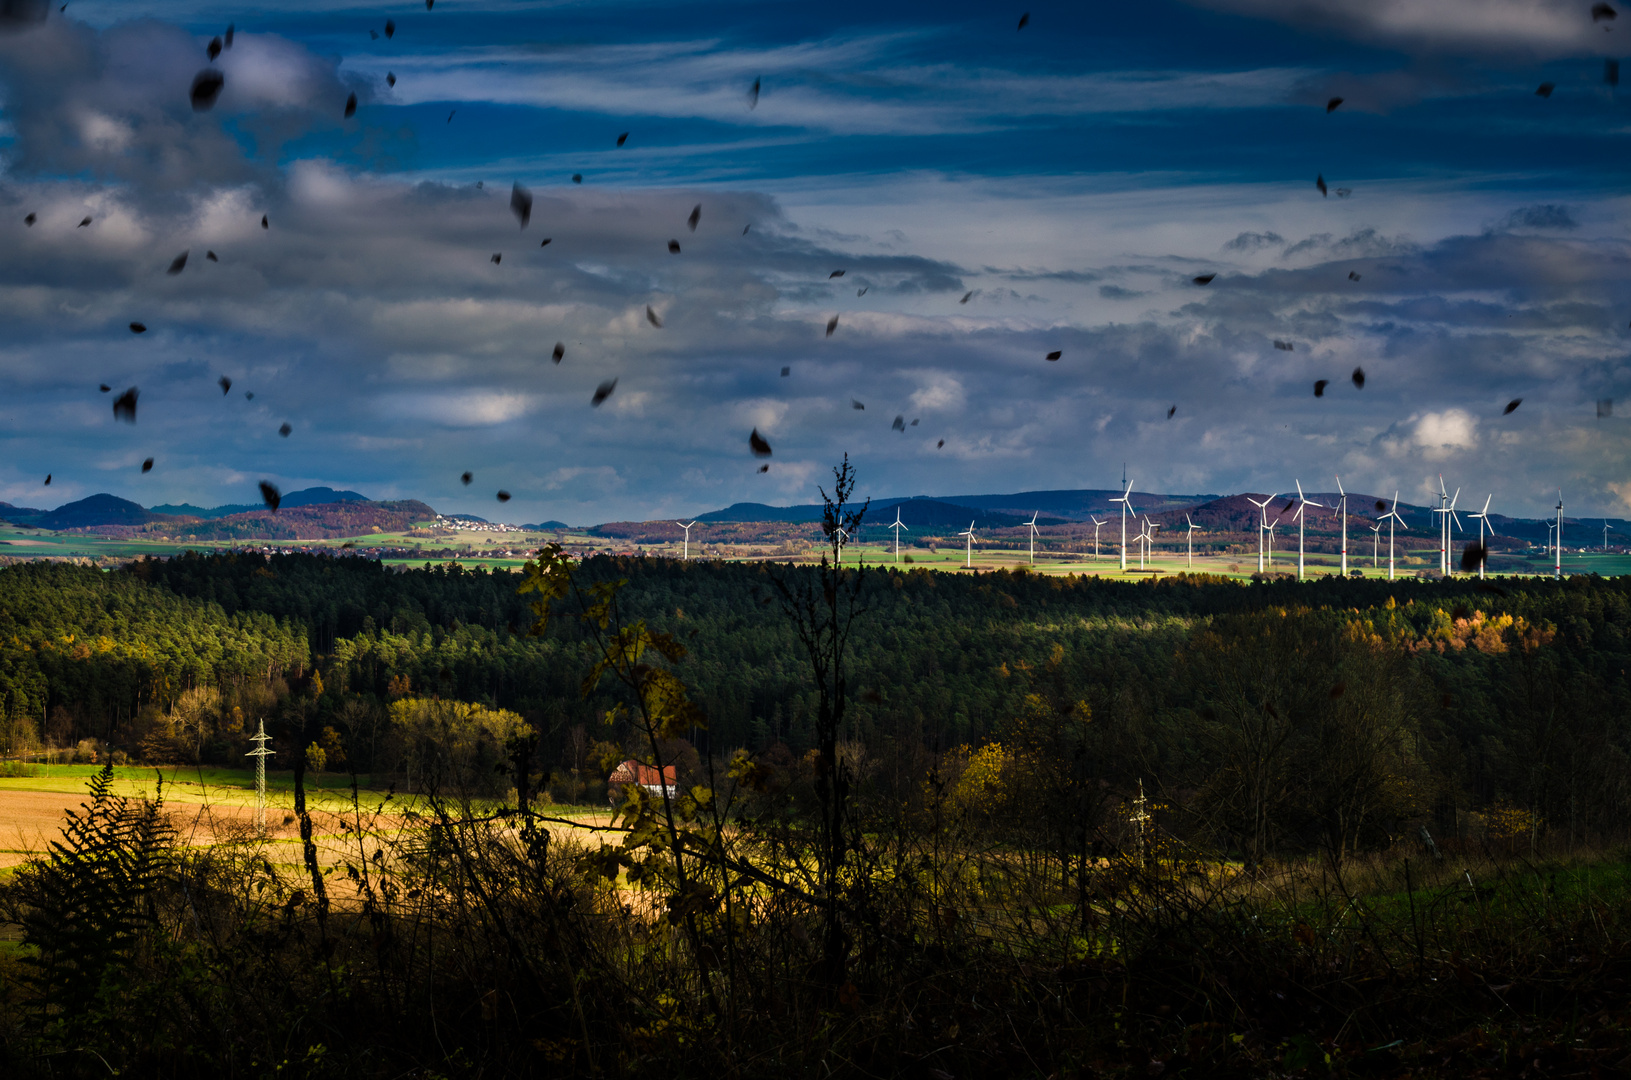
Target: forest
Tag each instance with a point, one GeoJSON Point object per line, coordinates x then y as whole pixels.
{"type": "Point", "coordinates": [1477, 693]}
{"type": "Point", "coordinates": [926, 824]}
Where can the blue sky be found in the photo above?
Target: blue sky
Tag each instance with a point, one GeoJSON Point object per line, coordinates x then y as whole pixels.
{"type": "Point", "coordinates": [1074, 176]}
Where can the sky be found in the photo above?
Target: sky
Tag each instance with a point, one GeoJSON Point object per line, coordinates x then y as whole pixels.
{"type": "Point", "coordinates": [991, 193]}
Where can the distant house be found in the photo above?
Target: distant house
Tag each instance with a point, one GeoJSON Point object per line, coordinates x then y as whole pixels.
{"type": "Point", "coordinates": [647, 776]}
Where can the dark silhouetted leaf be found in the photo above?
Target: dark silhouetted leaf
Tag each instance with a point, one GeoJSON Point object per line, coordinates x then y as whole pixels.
{"type": "Point", "coordinates": [225, 384]}
{"type": "Point", "coordinates": [1331, 106]}
{"type": "Point", "coordinates": [1205, 279]}
{"type": "Point", "coordinates": [1511, 405]}
{"type": "Point", "coordinates": [1359, 378]}
{"type": "Point", "coordinates": [147, 466]}
{"type": "Point", "coordinates": [285, 429]}
{"type": "Point", "coordinates": [603, 391]}
{"type": "Point", "coordinates": [757, 444]}
{"type": "Point", "coordinates": [1319, 387]}
{"type": "Point", "coordinates": [696, 216]}
{"type": "Point", "coordinates": [270, 495]}
{"type": "Point", "coordinates": [521, 204]}
{"type": "Point", "coordinates": [178, 264]}
{"type": "Point", "coordinates": [560, 352]}
{"type": "Point", "coordinates": [206, 89]}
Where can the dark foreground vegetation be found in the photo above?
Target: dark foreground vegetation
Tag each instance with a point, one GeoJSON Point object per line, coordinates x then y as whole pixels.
{"type": "Point", "coordinates": [1382, 835]}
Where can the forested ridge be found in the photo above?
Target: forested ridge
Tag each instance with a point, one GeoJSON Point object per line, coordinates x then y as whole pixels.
{"type": "Point", "coordinates": [1513, 691]}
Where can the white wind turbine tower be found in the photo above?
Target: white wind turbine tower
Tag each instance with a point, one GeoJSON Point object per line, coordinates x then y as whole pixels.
{"type": "Point", "coordinates": [1096, 525]}
{"type": "Point", "coordinates": [1191, 535]}
{"type": "Point", "coordinates": [898, 526]}
{"type": "Point", "coordinates": [1448, 511]}
{"type": "Point", "coordinates": [1031, 524]}
{"type": "Point", "coordinates": [968, 556]}
{"type": "Point", "coordinates": [1559, 570]}
{"type": "Point", "coordinates": [1272, 524]}
{"type": "Point", "coordinates": [1443, 498]}
{"type": "Point", "coordinates": [1143, 535]}
{"type": "Point", "coordinates": [687, 529]}
{"type": "Point", "coordinates": [1262, 525]}
{"type": "Point", "coordinates": [1392, 517]}
{"type": "Point", "coordinates": [1150, 527]}
{"type": "Point", "coordinates": [1126, 504]}
{"type": "Point", "coordinates": [1605, 535]}
{"type": "Point", "coordinates": [1376, 545]}
{"type": "Point", "coordinates": [843, 538]}
{"type": "Point", "coordinates": [1302, 518]}
{"type": "Point", "coordinates": [1483, 520]}
{"type": "Point", "coordinates": [1342, 504]}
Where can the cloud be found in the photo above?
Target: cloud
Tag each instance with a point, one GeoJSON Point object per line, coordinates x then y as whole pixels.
{"type": "Point", "coordinates": [1541, 216]}
{"type": "Point", "coordinates": [1254, 241]}
{"type": "Point", "coordinates": [371, 315]}
{"type": "Point", "coordinates": [1538, 28]}
{"type": "Point", "coordinates": [1443, 434]}
{"type": "Point", "coordinates": [114, 105]}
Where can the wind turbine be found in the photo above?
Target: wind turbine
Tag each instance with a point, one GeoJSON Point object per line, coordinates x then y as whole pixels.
{"type": "Point", "coordinates": [687, 529]}
{"type": "Point", "coordinates": [1483, 520]}
{"type": "Point", "coordinates": [968, 556]}
{"type": "Point", "coordinates": [1150, 528]}
{"type": "Point", "coordinates": [1448, 510]}
{"type": "Point", "coordinates": [1376, 545]}
{"type": "Point", "coordinates": [842, 538]}
{"type": "Point", "coordinates": [1302, 518]}
{"type": "Point", "coordinates": [1262, 525]}
{"type": "Point", "coordinates": [898, 526]}
{"type": "Point", "coordinates": [1605, 535]}
{"type": "Point", "coordinates": [1031, 524]}
{"type": "Point", "coordinates": [1143, 535]}
{"type": "Point", "coordinates": [1342, 504]}
{"type": "Point", "coordinates": [1125, 499]}
{"type": "Point", "coordinates": [1191, 524]}
{"type": "Point", "coordinates": [1272, 524]}
{"type": "Point", "coordinates": [1096, 525]}
{"type": "Point", "coordinates": [1391, 517]}
{"type": "Point", "coordinates": [1559, 571]}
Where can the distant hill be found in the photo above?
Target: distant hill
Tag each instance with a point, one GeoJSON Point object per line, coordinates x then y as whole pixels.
{"type": "Point", "coordinates": [313, 496]}
{"type": "Point", "coordinates": [96, 510]}
{"type": "Point", "coordinates": [917, 511]}
{"type": "Point", "coordinates": [324, 521]}
{"type": "Point", "coordinates": [16, 514]}
{"type": "Point", "coordinates": [545, 526]}
{"type": "Point", "coordinates": [1074, 505]}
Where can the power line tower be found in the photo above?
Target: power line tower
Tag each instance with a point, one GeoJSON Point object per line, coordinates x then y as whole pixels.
{"type": "Point", "coordinates": [1140, 821]}
{"type": "Point", "coordinates": [260, 754]}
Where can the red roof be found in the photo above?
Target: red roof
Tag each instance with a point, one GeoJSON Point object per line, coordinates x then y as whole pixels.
{"type": "Point", "coordinates": [632, 772]}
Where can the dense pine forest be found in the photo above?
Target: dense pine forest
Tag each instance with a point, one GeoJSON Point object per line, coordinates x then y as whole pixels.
{"type": "Point", "coordinates": [925, 824]}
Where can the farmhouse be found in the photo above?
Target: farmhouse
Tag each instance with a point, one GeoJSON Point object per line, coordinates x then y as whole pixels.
{"type": "Point", "coordinates": [647, 776]}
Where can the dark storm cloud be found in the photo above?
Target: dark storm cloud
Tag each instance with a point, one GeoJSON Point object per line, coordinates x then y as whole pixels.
{"type": "Point", "coordinates": [114, 105]}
